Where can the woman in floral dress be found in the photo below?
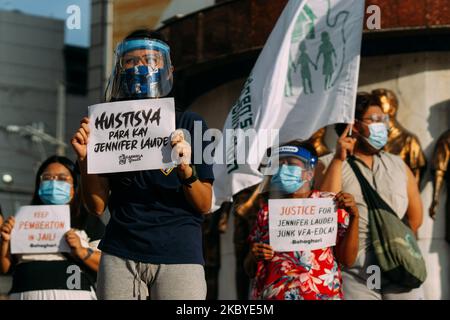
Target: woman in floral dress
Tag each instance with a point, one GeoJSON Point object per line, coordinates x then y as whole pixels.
{"type": "Point", "coordinates": [302, 275]}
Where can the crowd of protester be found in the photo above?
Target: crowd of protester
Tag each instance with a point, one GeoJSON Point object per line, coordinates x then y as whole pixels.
{"type": "Point", "coordinates": [154, 237]}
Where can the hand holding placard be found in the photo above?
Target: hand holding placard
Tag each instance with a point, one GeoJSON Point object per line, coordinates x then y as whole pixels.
{"type": "Point", "coordinates": [181, 149]}
{"type": "Point", "coordinates": [80, 139]}
{"type": "Point", "coordinates": [6, 229]}
{"type": "Point", "coordinates": [262, 251]}
{"type": "Point", "coordinates": [181, 154]}
{"type": "Point", "coordinates": [347, 202]}
{"type": "Point", "coordinates": [74, 242]}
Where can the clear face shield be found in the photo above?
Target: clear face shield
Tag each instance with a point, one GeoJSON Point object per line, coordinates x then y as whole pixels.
{"type": "Point", "coordinates": [289, 168]}
{"type": "Point", "coordinates": [142, 69]}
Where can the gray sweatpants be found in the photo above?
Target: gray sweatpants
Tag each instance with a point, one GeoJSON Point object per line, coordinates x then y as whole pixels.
{"type": "Point", "coordinates": [123, 279]}
{"type": "Point", "coordinates": [356, 288]}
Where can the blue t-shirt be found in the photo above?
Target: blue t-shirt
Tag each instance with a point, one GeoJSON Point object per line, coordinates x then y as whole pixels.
{"type": "Point", "coordinates": [151, 219]}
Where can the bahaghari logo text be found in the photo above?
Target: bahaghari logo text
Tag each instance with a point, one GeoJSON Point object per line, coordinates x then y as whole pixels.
{"type": "Point", "coordinates": [306, 241]}
{"type": "Point", "coordinates": [132, 158]}
{"type": "Point", "coordinates": [32, 245]}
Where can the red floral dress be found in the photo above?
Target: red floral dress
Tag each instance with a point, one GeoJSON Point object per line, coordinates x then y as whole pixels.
{"type": "Point", "coordinates": [299, 275]}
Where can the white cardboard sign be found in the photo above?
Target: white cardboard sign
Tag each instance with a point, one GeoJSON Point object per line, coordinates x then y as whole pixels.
{"type": "Point", "coordinates": [130, 135]}
{"type": "Point", "coordinates": [302, 224]}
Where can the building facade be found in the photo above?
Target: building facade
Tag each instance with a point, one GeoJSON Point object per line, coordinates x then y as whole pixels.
{"type": "Point", "coordinates": [43, 87]}
{"type": "Point", "coordinates": [31, 55]}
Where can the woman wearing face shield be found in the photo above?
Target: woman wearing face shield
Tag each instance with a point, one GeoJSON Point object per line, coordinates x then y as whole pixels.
{"type": "Point", "coordinates": [301, 275]}
{"type": "Point", "coordinates": [152, 248]}
{"type": "Point", "coordinates": [388, 175]}
{"type": "Point", "coordinates": [45, 276]}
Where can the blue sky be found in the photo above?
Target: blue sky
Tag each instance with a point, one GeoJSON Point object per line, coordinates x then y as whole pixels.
{"type": "Point", "coordinates": [56, 9]}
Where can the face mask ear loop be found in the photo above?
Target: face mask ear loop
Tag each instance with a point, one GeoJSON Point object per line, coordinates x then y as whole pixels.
{"type": "Point", "coordinates": [311, 181]}
{"type": "Point", "coordinates": [352, 132]}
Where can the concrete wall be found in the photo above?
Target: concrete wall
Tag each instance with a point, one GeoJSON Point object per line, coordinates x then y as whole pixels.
{"type": "Point", "coordinates": [421, 81]}
{"type": "Point", "coordinates": [182, 7]}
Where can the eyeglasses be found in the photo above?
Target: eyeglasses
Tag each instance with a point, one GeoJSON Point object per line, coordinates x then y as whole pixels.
{"type": "Point", "coordinates": [58, 177]}
{"type": "Point", "coordinates": [152, 59]}
{"type": "Point", "coordinates": [292, 161]}
{"type": "Point", "coordinates": [375, 118]}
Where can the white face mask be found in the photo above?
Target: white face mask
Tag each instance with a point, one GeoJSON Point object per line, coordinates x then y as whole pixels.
{"type": "Point", "coordinates": [378, 135]}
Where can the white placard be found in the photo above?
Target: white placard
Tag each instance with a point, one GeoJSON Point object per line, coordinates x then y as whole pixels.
{"type": "Point", "coordinates": [302, 224]}
{"type": "Point", "coordinates": [41, 229]}
{"type": "Point", "coordinates": [130, 135]}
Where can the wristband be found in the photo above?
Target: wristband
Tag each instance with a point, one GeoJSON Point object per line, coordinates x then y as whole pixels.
{"type": "Point", "coordinates": [191, 179]}
{"type": "Point", "coordinates": [89, 254]}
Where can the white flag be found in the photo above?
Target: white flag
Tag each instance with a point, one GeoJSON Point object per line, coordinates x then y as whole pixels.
{"type": "Point", "coordinates": [304, 79]}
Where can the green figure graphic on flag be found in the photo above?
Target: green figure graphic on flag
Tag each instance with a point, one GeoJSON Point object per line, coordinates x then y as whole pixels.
{"type": "Point", "coordinates": [327, 50]}
{"type": "Point", "coordinates": [288, 86]}
{"type": "Point", "coordinates": [304, 28]}
{"type": "Point", "coordinates": [304, 61]}
{"type": "Point", "coordinates": [305, 25]}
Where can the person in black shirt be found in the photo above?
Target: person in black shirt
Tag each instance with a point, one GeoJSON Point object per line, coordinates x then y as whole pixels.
{"type": "Point", "coordinates": [152, 246]}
